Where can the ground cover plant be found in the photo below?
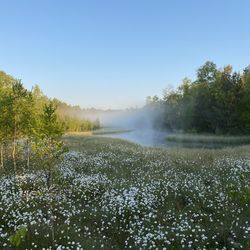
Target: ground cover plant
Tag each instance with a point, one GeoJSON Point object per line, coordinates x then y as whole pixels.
{"type": "Point", "coordinates": [209, 139]}
{"type": "Point", "coordinates": [112, 194]}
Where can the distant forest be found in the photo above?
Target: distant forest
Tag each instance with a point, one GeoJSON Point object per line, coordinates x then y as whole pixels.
{"type": "Point", "coordinates": [218, 102]}
{"type": "Point", "coordinates": [15, 98]}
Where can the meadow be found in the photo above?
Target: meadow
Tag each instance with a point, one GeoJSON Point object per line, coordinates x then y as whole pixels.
{"type": "Point", "coordinates": [113, 194]}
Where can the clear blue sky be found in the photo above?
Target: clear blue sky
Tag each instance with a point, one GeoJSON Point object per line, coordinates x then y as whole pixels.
{"type": "Point", "coordinates": [112, 54]}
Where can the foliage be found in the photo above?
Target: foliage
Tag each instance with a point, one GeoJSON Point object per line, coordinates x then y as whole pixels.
{"type": "Point", "coordinates": [22, 120]}
{"type": "Point", "coordinates": [218, 101]}
{"type": "Point", "coordinates": [48, 145]}
{"type": "Point", "coordinates": [19, 235]}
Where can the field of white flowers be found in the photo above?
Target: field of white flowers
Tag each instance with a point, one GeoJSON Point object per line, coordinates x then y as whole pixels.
{"type": "Point", "coordinates": [111, 194]}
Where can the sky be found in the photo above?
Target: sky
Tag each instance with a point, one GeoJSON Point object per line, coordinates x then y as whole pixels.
{"type": "Point", "coordinates": [115, 53]}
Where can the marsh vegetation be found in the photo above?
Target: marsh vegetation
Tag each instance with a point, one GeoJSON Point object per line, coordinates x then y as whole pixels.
{"type": "Point", "coordinates": [111, 194]}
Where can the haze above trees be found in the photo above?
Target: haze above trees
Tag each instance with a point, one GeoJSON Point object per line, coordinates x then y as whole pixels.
{"type": "Point", "coordinates": [217, 101]}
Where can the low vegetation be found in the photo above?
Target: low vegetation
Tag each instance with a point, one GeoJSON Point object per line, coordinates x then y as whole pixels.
{"type": "Point", "coordinates": [112, 194]}
{"type": "Point", "coordinates": [208, 139]}
{"type": "Point", "coordinates": [107, 130]}
{"type": "Point", "coordinates": [99, 132]}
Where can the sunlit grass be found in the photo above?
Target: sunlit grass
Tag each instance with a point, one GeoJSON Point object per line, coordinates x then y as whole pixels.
{"type": "Point", "coordinates": [85, 133]}
{"type": "Point", "coordinates": [102, 131]}
{"type": "Point", "coordinates": [109, 130]}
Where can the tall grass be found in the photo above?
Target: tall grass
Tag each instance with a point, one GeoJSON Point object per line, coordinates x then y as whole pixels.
{"type": "Point", "coordinates": [208, 139]}
{"type": "Point", "coordinates": [102, 131]}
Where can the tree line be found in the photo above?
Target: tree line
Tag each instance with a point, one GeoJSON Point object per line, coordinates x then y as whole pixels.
{"type": "Point", "coordinates": [217, 101]}
{"type": "Point", "coordinates": [31, 122]}
{"type": "Point", "coordinates": [71, 117]}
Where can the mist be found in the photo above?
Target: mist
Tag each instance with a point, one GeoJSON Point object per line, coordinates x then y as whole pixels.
{"type": "Point", "coordinates": [139, 125]}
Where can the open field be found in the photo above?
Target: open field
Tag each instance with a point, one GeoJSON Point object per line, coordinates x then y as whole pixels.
{"type": "Point", "coordinates": [112, 194]}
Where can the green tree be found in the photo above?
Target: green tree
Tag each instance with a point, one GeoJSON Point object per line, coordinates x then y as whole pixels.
{"type": "Point", "coordinates": [48, 145]}
{"type": "Point", "coordinates": [207, 73]}
{"type": "Point", "coordinates": [48, 148]}
{"type": "Point", "coordinates": [5, 89]}
{"type": "Point", "coordinates": [244, 105]}
{"type": "Point", "coordinates": [5, 124]}
{"type": "Point", "coordinates": [218, 101]}
{"type": "Point", "coordinates": [20, 115]}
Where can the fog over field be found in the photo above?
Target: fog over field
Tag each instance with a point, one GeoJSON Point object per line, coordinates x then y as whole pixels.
{"type": "Point", "coordinates": [138, 125]}
{"type": "Point", "coordinates": [127, 119]}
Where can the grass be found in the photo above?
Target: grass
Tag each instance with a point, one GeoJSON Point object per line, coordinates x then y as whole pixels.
{"type": "Point", "coordinates": [102, 131]}
{"type": "Point", "coordinates": [113, 194]}
{"type": "Point", "coordinates": [108, 130]}
{"type": "Point", "coordinates": [209, 139]}
{"type": "Point", "coordinates": [84, 133]}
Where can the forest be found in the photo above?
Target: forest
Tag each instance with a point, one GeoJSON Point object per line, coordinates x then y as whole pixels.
{"type": "Point", "coordinates": [35, 101]}
{"type": "Point", "coordinates": [26, 117]}
{"type": "Point", "coordinates": [216, 102]}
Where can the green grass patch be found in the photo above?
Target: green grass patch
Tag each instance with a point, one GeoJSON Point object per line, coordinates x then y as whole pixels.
{"type": "Point", "coordinates": [104, 131]}
{"type": "Point", "coordinates": [209, 139]}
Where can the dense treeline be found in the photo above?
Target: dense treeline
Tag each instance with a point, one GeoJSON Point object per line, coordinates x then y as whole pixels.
{"type": "Point", "coordinates": [31, 123]}
{"type": "Point", "coordinates": [67, 114]}
{"type": "Point", "coordinates": [218, 101]}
